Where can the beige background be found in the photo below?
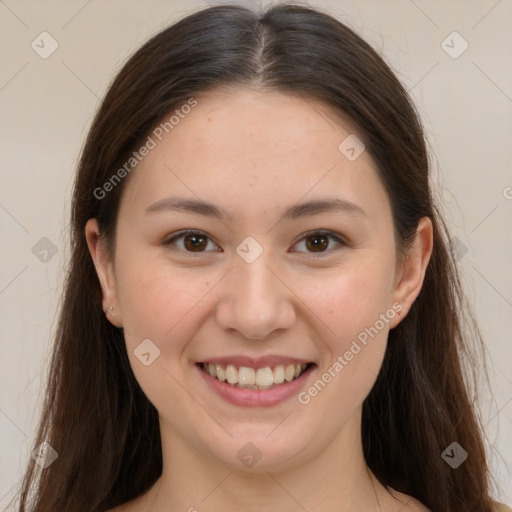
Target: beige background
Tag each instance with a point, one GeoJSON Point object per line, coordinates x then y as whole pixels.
{"type": "Point", "coordinates": [47, 106]}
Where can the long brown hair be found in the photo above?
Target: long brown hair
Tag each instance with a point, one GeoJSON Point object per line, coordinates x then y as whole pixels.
{"type": "Point", "coordinates": [97, 418]}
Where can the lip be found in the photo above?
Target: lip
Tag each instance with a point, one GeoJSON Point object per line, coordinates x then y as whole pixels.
{"type": "Point", "coordinates": [255, 397]}
{"type": "Point", "coordinates": [255, 362]}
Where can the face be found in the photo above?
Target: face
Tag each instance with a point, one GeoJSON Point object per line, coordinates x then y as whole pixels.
{"type": "Point", "coordinates": [287, 286]}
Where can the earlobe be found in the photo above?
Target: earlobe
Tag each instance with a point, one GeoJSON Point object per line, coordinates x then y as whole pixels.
{"type": "Point", "coordinates": [104, 270]}
{"type": "Point", "coordinates": [413, 269]}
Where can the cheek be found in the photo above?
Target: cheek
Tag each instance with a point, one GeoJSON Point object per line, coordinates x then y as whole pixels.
{"type": "Point", "coordinates": [353, 352]}
{"type": "Point", "coordinates": [165, 304]}
{"type": "Point", "coordinates": [354, 306]}
{"type": "Point", "coordinates": [350, 299]}
{"type": "Point", "coordinates": [157, 298]}
{"type": "Point", "coordinates": [159, 303]}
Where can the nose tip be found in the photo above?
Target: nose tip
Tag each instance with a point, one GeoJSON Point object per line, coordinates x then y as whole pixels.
{"type": "Point", "coordinates": [255, 303]}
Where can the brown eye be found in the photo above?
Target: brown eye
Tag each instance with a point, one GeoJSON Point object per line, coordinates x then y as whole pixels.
{"type": "Point", "coordinates": [318, 241]}
{"type": "Point", "coordinates": [193, 241]}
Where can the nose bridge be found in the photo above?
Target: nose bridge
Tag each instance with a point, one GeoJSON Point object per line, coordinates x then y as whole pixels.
{"type": "Point", "coordinates": [255, 301]}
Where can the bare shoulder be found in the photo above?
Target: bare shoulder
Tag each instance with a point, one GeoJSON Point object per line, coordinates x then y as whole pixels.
{"type": "Point", "coordinates": [126, 507]}
{"type": "Point", "coordinates": [135, 505]}
{"type": "Point", "coordinates": [122, 508]}
{"type": "Point", "coordinates": [403, 502]}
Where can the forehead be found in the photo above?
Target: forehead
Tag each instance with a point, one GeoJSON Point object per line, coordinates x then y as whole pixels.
{"type": "Point", "coordinates": [257, 147]}
{"type": "Point", "coordinates": [259, 123]}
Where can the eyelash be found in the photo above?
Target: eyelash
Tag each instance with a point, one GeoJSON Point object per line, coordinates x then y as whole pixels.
{"type": "Point", "coordinates": [329, 234]}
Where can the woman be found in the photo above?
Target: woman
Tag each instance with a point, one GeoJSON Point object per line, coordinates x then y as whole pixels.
{"type": "Point", "coordinates": [262, 310]}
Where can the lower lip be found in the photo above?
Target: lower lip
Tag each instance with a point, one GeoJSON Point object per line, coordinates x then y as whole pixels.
{"type": "Point", "coordinates": [255, 397]}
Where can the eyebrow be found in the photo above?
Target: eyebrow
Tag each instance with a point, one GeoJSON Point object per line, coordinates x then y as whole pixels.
{"type": "Point", "coordinates": [309, 208]}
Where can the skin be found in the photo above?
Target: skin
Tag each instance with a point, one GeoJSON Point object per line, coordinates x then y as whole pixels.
{"type": "Point", "coordinates": [255, 153]}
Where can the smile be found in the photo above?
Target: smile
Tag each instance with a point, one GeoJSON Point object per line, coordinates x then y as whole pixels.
{"type": "Point", "coordinates": [262, 379]}
{"type": "Point", "coordinates": [259, 385]}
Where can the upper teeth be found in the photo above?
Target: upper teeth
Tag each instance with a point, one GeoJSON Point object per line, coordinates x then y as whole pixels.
{"type": "Point", "coordinates": [259, 378]}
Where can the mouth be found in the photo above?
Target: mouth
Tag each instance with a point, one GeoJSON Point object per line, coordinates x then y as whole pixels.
{"type": "Point", "coordinates": [255, 385]}
{"type": "Point", "coordinates": [262, 379]}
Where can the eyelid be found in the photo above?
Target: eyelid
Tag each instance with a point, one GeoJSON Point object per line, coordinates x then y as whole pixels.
{"type": "Point", "coordinates": [185, 232]}
{"type": "Point", "coordinates": [331, 234]}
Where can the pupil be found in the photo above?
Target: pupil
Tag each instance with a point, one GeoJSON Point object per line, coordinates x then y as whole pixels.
{"type": "Point", "coordinates": [194, 244]}
{"type": "Point", "coordinates": [322, 244]}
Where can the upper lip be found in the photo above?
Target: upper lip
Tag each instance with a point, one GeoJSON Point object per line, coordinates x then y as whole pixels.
{"type": "Point", "coordinates": [255, 362]}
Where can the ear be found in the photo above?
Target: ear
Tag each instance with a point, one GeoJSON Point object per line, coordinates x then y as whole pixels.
{"type": "Point", "coordinates": [412, 270]}
{"type": "Point", "coordinates": [105, 271]}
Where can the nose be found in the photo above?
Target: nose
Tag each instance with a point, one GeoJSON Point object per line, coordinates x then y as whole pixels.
{"type": "Point", "coordinates": [255, 300]}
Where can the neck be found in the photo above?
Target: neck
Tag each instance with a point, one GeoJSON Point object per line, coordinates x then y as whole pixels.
{"type": "Point", "coordinates": [337, 479]}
